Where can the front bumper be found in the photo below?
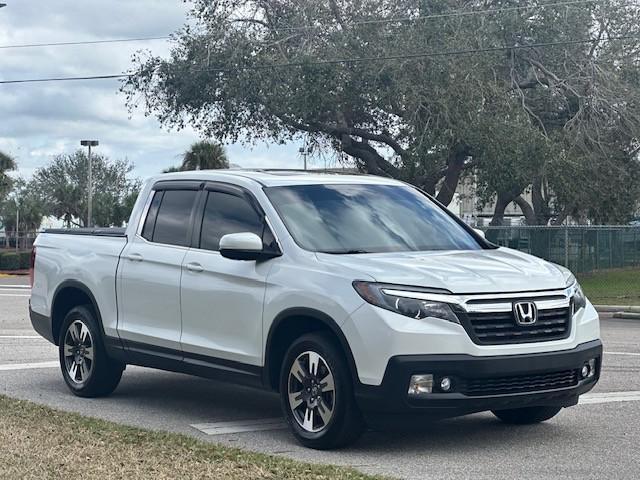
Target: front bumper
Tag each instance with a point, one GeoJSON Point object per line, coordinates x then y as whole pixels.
{"type": "Point", "coordinates": [391, 396]}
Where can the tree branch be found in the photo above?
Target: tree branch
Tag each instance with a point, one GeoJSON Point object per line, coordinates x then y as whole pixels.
{"type": "Point", "coordinates": [364, 134]}
{"type": "Point", "coordinates": [527, 210]}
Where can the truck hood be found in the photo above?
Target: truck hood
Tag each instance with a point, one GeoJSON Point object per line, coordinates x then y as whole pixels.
{"type": "Point", "coordinates": [478, 271]}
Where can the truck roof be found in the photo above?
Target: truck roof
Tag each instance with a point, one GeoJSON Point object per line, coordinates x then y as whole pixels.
{"type": "Point", "coordinates": [276, 177]}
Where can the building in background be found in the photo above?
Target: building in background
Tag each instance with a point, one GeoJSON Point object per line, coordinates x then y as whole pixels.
{"type": "Point", "coordinates": [466, 206]}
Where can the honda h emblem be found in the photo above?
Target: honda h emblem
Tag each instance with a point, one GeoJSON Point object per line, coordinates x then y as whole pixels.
{"type": "Point", "coordinates": [526, 313]}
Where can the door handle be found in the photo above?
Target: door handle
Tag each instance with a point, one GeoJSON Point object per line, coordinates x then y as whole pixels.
{"type": "Point", "coordinates": [135, 257]}
{"type": "Point", "coordinates": [194, 267]}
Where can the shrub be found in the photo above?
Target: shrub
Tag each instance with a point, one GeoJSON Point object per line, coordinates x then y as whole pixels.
{"type": "Point", "coordinates": [9, 261]}
{"type": "Point", "coordinates": [25, 260]}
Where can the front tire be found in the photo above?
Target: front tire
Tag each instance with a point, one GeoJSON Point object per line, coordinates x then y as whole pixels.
{"type": "Point", "coordinates": [316, 392]}
{"type": "Point", "coordinates": [86, 368]}
{"type": "Point", "coordinates": [526, 416]}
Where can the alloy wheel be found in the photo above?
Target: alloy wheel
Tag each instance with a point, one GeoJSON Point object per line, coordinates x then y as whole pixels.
{"type": "Point", "coordinates": [78, 352]}
{"type": "Point", "coordinates": [311, 389]}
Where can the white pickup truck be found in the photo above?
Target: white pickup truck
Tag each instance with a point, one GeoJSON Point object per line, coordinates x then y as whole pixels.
{"type": "Point", "coordinates": [360, 299]}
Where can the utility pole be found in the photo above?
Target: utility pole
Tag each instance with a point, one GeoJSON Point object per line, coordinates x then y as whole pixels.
{"type": "Point", "coordinates": [89, 143]}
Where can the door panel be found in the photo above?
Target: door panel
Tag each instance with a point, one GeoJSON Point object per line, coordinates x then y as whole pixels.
{"type": "Point", "coordinates": [222, 299]}
{"type": "Point", "coordinates": [151, 269]}
{"type": "Point", "coordinates": [149, 294]}
{"type": "Point", "coordinates": [222, 307]}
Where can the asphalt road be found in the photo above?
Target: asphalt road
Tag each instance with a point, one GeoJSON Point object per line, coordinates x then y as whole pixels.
{"type": "Point", "coordinates": [597, 439]}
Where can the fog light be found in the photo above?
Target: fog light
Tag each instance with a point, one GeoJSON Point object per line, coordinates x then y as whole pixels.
{"type": "Point", "coordinates": [445, 384]}
{"type": "Point", "coordinates": [592, 367]}
{"type": "Point", "coordinates": [585, 370]}
{"type": "Point", "coordinates": [420, 385]}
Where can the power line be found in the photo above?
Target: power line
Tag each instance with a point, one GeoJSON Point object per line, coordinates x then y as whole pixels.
{"type": "Point", "coordinates": [87, 42]}
{"type": "Point", "coordinates": [345, 61]}
{"type": "Point", "coordinates": [64, 79]}
{"type": "Point", "coordinates": [454, 13]}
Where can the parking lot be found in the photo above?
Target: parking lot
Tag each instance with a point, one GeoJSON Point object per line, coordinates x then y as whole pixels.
{"type": "Point", "coordinates": [597, 439]}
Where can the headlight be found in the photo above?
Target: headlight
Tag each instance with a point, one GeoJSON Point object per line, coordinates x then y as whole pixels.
{"type": "Point", "coordinates": [374, 294]}
{"type": "Point", "coordinates": [577, 296]}
{"type": "Point", "coordinates": [579, 300]}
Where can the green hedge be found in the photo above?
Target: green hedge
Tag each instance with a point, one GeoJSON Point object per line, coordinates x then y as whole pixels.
{"type": "Point", "coordinates": [25, 260]}
{"type": "Point", "coordinates": [9, 261]}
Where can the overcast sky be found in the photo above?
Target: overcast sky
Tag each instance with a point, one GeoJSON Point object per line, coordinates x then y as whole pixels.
{"type": "Point", "coordinates": [40, 120]}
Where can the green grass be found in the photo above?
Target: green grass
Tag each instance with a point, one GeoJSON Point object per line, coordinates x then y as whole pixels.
{"type": "Point", "coordinates": [612, 287]}
{"type": "Point", "coordinates": [38, 442]}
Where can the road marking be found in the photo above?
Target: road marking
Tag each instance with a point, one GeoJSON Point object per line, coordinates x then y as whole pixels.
{"type": "Point", "coordinates": [14, 286]}
{"type": "Point", "coordinates": [28, 366]}
{"type": "Point", "coordinates": [623, 353]}
{"type": "Point", "coordinates": [21, 337]}
{"type": "Point", "coordinates": [13, 295]}
{"type": "Point", "coordinates": [593, 398]}
{"type": "Point", "coordinates": [240, 426]}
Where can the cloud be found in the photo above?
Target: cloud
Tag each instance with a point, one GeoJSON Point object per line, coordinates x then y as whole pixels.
{"type": "Point", "coordinates": [38, 121]}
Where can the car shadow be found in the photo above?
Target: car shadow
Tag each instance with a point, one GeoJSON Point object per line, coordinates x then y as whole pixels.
{"type": "Point", "coordinates": [210, 401]}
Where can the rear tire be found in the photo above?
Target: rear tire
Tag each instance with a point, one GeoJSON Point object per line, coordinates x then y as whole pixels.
{"type": "Point", "coordinates": [316, 392]}
{"type": "Point", "coordinates": [526, 416]}
{"type": "Point", "coordinates": [86, 368]}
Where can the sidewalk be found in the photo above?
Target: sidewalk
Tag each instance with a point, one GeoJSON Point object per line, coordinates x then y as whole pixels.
{"type": "Point", "coordinates": [629, 312]}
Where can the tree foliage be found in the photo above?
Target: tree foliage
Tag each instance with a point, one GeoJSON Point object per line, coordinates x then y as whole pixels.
{"type": "Point", "coordinates": [202, 155]}
{"type": "Point", "coordinates": [408, 89]}
{"type": "Point", "coordinates": [26, 198]}
{"type": "Point", "coordinates": [7, 163]}
{"type": "Point", "coordinates": [63, 187]}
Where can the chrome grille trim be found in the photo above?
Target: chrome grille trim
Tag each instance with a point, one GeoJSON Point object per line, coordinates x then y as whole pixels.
{"type": "Point", "coordinates": [493, 303]}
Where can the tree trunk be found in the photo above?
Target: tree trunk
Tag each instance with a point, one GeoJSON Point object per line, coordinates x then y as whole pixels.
{"type": "Point", "coordinates": [527, 210]}
{"type": "Point", "coordinates": [455, 165]}
{"type": "Point", "coordinates": [562, 216]}
{"type": "Point", "coordinates": [373, 162]}
{"type": "Point", "coordinates": [539, 203]}
{"type": "Point", "coordinates": [502, 202]}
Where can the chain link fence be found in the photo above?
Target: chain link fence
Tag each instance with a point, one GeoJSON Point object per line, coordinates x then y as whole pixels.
{"type": "Point", "coordinates": [605, 258]}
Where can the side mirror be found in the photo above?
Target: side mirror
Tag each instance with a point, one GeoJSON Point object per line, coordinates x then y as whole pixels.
{"type": "Point", "coordinates": [479, 232]}
{"type": "Point", "coordinates": [242, 246]}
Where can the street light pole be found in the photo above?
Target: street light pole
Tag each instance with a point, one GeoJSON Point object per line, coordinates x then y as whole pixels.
{"type": "Point", "coordinates": [90, 143]}
{"type": "Point", "coordinates": [17, 224]}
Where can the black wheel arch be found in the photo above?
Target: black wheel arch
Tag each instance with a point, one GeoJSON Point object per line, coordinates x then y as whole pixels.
{"type": "Point", "coordinates": [286, 327]}
{"type": "Point", "coordinates": [70, 294]}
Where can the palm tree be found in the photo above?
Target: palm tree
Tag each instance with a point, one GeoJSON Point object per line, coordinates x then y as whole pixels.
{"type": "Point", "coordinates": [202, 155]}
{"type": "Point", "coordinates": [205, 155]}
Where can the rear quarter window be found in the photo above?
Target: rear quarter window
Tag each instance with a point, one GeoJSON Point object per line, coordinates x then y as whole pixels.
{"type": "Point", "coordinates": [171, 225]}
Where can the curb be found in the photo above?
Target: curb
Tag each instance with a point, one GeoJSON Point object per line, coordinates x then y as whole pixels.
{"type": "Point", "coordinates": [627, 315]}
{"type": "Point", "coordinates": [617, 308]}
{"type": "Point", "coordinates": [13, 273]}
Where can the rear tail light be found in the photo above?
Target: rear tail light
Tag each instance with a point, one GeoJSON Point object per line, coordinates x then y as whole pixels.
{"type": "Point", "coordinates": [32, 265]}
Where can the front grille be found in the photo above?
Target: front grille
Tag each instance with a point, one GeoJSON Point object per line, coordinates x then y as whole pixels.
{"type": "Point", "coordinates": [521, 383]}
{"type": "Point", "coordinates": [501, 327]}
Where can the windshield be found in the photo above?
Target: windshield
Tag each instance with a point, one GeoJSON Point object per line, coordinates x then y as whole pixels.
{"type": "Point", "coordinates": [366, 219]}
